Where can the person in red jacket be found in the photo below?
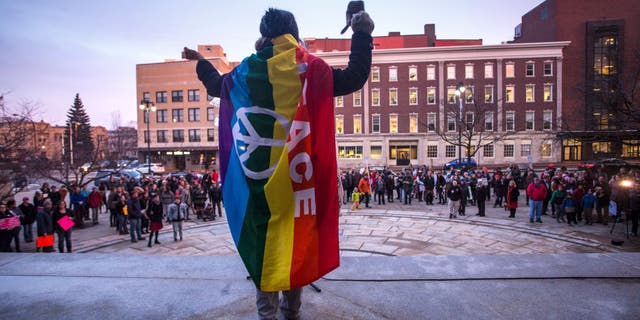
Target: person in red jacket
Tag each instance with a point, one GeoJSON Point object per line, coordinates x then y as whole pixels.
{"type": "Point", "coordinates": [94, 200]}
{"type": "Point", "coordinates": [537, 193]}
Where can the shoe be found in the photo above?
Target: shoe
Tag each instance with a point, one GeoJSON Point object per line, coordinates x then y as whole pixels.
{"type": "Point", "coordinates": [512, 216]}
{"type": "Point", "coordinates": [531, 220]}
{"type": "Point", "coordinates": [539, 221]}
{"type": "Point", "coordinates": [149, 245]}
{"type": "Point", "coordinates": [450, 216]}
{"type": "Point", "coordinates": [141, 238]}
{"type": "Point", "coordinates": [157, 242]}
{"type": "Point", "coordinates": [175, 239]}
{"type": "Point", "coordinates": [134, 241]}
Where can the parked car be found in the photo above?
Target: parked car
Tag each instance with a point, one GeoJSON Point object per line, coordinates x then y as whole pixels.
{"type": "Point", "coordinates": [454, 164]}
{"type": "Point", "coordinates": [130, 173]}
{"type": "Point", "coordinates": [611, 166]}
{"type": "Point", "coordinates": [155, 167]}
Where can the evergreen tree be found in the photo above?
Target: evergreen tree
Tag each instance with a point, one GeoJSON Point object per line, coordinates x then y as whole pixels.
{"type": "Point", "coordinates": [78, 120]}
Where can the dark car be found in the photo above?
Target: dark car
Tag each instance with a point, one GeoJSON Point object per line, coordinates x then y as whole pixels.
{"type": "Point", "coordinates": [186, 175]}
{"type": "Point", "coordinates": [454, 164]}
{"type": "Point", "coordinates": [611, 166]}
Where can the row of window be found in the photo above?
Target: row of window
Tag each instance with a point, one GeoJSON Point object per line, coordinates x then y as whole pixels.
{"type": "Point", "coordinates": [486, 124]}
{"type": "Point", "coordinates": [177, 115]}
{"type": "Point", "coordinates": [162, 136]}
{"type": "Point", "coordinates": [411, 151]}
{"type": "Point", "coordinates": [469, 71]}
{"type": "Point", "coordinates": [176, 96]}
{"type": "Point", "coordinates": [469, 95]}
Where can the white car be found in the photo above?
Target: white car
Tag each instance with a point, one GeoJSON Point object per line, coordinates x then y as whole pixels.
{"type": "Point", "coordinates": [157, 168]}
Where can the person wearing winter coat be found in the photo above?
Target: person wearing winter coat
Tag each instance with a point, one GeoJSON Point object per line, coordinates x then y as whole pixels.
{"type": "Point", "coordinates": [94, 200]}
{"type": "Point", "coordinates": [588, 203]}
{"type": "Point", "coordinates": [511, 198]}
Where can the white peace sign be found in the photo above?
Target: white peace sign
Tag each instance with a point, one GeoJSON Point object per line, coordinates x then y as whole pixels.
{"type": "Point", "coordinates": [253, 140]}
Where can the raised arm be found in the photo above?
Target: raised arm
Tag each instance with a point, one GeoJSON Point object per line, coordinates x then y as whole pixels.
{"type": "Point", "coordinates": [207, 74]}
{"type": "Point", "coordinates": [354, 76]}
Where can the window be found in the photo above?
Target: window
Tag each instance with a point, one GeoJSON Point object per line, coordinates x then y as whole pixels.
{"type": "Point", "coordinates": [194, 135]}
{"type": "Point", "coordinates": [510, 93]}
{"type": "Point", "coordinates": [211, 135]}
{"type": "Point", "coordinates": [451, 72]}
{"type": "Point", "coordinates": [468, 71]}
{"type": "Point", "coordinates": [529, 93]}
{"type": "Point", "coordinates": [393, 123]}
{"type": "Point", "coordinates": [529, 120]}
{"type": "Point", "coordinates": [403, 151]}
{"type": "Point", "coordinates": [432, 151]}
{"type": "Point", "coordinates": [375, 74]}
{"type": "Point", "coordinates": [547, 118]}
{"type": "Point", "coordinates": [488, 71]}
{"type": "Point", "coordinates": [375, 97]}
{"type": "Point", "coordinates": [451, 122]}
{"type": "Point", "coordinates": [357, 98]}
{"type": "Point", "coordinates": [630, 148]}
{"type": "Point", "coordinates": [146, 136]}
{"type": "Point", "coordinates": [146, 96]}
{"type": "Point", "coordinates": [469, 93]}
{"type": "Point", "coordinates": [178, 135]}
{"type": "Point", "coordinates": [176, 96]}
{"type": "Point", "coordinates": [177, 115]}
{"type": "Point", "coordinates": [161, 96]}
{"type": "Point", "coordinates": [508, 151]}
{"type": "Point", "coordinates": [509, 70]}
{"type": "Point", "coordinates": [530, 69]}
{"type": "Point", "coordinates": [413, 96]}
{"type": "Point", "coordinates": [376, 152]}
{"type": "Point", "coordinates": [339, 123]}
{"type": "Point", "coordinates": [431, 95]}
{"type": "Point", "coordinates": [525, 150]}
{"type": "Point", "coordinates": [488, 121]}
{"type": "Point", "coordinates": [545, 150]}
{"type": "Point", "coordinates": [451, 95]}
{"type": "Point", "coordinates": [194, 95]}
{"type": "Point", "coordinates": [413, 123]}
{"type": "Point", "coordinates": [548, 92]}
{"type": "Point", "coordinates": [488, 94]}
{"type": "Point", "coordinates": [393, 97]}
{"type": "Point", "coordinates": [510, 121]}
{"type": "Point", "coordinates": [393, 74]}
{"type": "Point", "coordinates": [339, 101]}
{"type": "Point", "coordinates": [431, 72]}
{"type": "Point", "coordinates": [548, 68]}
{"type": "Point", "coordinates": [375, 123]}
{"type": "Point", "coordinates": [413, 73]}
{"type": "Point", "coordinates": [487, 151]}
{"type": "Point", "coordinates": [194, 114]}
{"type": "Point", "coordinates": [350, 152]}
{"type": "Point", "coordinates": [162, 115]}
{"type": "Point", "coordinates": [357, 123]}
{"type": "Point", "coordinates": [210, 115]}
{"type": "Point", "coordinates": [431, 122]}
{"type": "Point", "coordinates": [450, 151]}
{"type": "Point", "coordinates": [469, 120]}
{"type": "Point", "coordinates": [162, 136]}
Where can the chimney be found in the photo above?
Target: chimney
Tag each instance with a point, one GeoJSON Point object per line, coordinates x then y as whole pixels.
{"type": "Point", "coordinates": [394, 34]}
{"type": "Point", "coordinates": [430, 32]}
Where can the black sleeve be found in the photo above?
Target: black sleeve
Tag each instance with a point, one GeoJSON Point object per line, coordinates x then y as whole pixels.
{"type": "Point", "coordinates": [210, 77]}
{"type": "Point", "coordinates": [353, 77]}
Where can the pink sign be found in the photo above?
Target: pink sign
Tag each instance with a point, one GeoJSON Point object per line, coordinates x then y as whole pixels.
{"type": "Point", "coordinates": [9, 223]}
{"type": "Point", "coordinates": [65, 223]}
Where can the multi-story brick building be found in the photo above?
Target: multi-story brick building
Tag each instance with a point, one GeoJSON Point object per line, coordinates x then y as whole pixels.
{"type": "Point", "coordinates": [600, 69]}
{"type": "Point", "coordinates": [409, 101]}
{"type": "Point", "coordinates": [183, 128]}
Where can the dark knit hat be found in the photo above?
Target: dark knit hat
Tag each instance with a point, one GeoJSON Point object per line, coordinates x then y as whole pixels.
{"type": "Point", "coordinates": [276, 22]}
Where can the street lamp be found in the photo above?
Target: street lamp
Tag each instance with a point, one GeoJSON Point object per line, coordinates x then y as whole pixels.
{"type": "Point", "coordinates": [460, 89]}
{"type": "Point", "coordinates": [148, 107]}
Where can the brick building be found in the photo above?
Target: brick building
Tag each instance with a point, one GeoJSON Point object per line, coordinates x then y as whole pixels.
{"type": "Point", "coordinates": [600, 69]}
{"type": "Point", "coordinates": [410, 97]}
{"type": "Point", "coordinates": [183, 129]}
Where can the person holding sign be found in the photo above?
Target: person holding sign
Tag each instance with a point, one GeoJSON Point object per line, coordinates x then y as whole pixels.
{"type": "Point", "coordinates": [45, 227]}
{"type": "Point", "coordinates": [61, 216]}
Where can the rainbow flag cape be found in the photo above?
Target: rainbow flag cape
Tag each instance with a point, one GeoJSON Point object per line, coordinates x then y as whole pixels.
{"type": "Point", "coordinates": [278, 165]}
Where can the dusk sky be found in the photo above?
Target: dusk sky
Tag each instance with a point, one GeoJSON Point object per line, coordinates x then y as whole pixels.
{"type": "Point", "coordinates": [51, 50]}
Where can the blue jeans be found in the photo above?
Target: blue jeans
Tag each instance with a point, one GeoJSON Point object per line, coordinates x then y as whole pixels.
{"type": "Point", "coordinates": [28, 232]}
{"type": "Point", "coordinates": [135, 229]}
{"type": "Point", "coordinates": [535, 206]}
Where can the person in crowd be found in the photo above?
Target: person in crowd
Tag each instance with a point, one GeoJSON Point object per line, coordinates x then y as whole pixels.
{"type": "Point", "coordinates": [511, 198]}
{"type": "Point", "coordinates": [167, 198]}
{"type": "Point", "coordinates": [481, 197]}
{"type": "Point", "coordinates": [556, 200]}
{"type": "Point", "coordinates": [134, 210]}
{"type": "Point", "coordinates": [454, 194]}
{"type": "Point", "coordinates": [215, 194]}
{"type": "Point", "coordinates": [199, 197]}
{"type": "Point", "coordinates": [14, 211]}
{"type": "Point", "coordinates": [112, 201]}
{"type": "Point", "coordinates": [569, 208]}
{"type": "Point", "coordinates": [407, 186]}
{"type": "Point", "coordinates": [5, 234]}
{"type": "Point", "coordinates": [94, 201]}
{"type": "Point", "coordinates": [380, 189]}
{"type": "Point", "coordinates": [499, 188]}
{"type": "Point", "coordinates": [365, 189]}
{"type": "Point", "coordinates": [55, 196]}
{"type": "Point", "coordinates": [38, 199]}
{"type": "Point", "coordinates": [588, 203]}
{"type": "Point", "coordinates": [45, 223]}
{"type": "Point", "coordinates": [144, 203]}
{"type": "Point", "coordinates": [355, 199]}
{"type": "Point", "coordinates": [389, 185]}
{"type": "Point", "coordinates": [634, 206]}
{"type": "Point", "coordinates": [536, 193]}
{"type": "Point", "coordinates": [121, 215]}
{"type": "Point", "coordinates": [177, 214]}
{"type": "Point", "coordinates": [29, 213]}
{"type": "Point", "coordinates": [154, 212]}
{"type": "Point", "coordinates": [463, 197]}
{"type": "Point", "coordinates": [64, 236]}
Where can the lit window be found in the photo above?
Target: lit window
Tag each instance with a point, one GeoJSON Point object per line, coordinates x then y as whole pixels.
{"type": "Point", "coordinates": [375, 74]}
{"type": "Point", "coordinates": [431, 122]}
{"type": "Point", "coordinates": [488, 121]}
{"type": "Point", "coordinates": [350, 152]}
{"type": "Point", "coordinates": [357, 123]}
{"type": "Point", "coordinates": [529, 120]}
{"type": "Point", "coordinates": [509, 70]}
{"type": "Point", "coordinates": [545, 150]}
{"type": "Point", "coordinates": [413, 73]}
{"type": "Point", "coordinates": [339, 123]}
{"type": "Point", "coordinates": [488, 71]}
{"type": "Point", "coordinates": [547, 118]}
{"type": "Point", "coordinates": [510, 117]}
{"type": "Point", "coordinates": [375, 97]}
{"type": "Point", "coordinates": [357, 98]}
{"type": "Point", "coordinates": [530, 69]}
{"type": "Point", "coordinates": [548, 68]}
{"type": "Point", "coordinates": [393, 97]}
{"type": "Point", "coordinates": [488, 94]}
{"type": "Point", "coordinates": [393, 123]}
{"type": "Point", "coordinates": [393, 74]}
{"type": "Point", "coordinates": [548, 92]}
{"type": "Point", "coordinates": [468, 71]}
{"type": "Point", "coordinates": [340, 101]}
{"type": "Point", "coordinates": [487, 151]}
{"type": "Point", "coordinates": [431, 95]}
{"type": "Point", "coordinates": [510, 93]}
{"type": "Point", "coordinates": [375, 123]}
{"type": "Point", "coordinates": [413, 123]}
{"type": "Point", "coordinates": [432, 151]}
{"type": "Point", "coordinates": [413, 96]}
{"type": "Point", "coordinates": [525, 150]}
{"type": "Point", "coordinates": [529, 93]}
{"type": "Point", "coordinates": [469, 93]}
{"type": "Point", "coordinates": [431, 72]}
{"type": "Point", "coordinates": [451, 72]}
{"type": "Point", "coordinates": [450, 151]}
{"type": "Point", "coordinates": [508, 151]}
{"type": "Point", "coordinates": [451, 95]}
{"type": "Point", "coordinates": [376, 152]}
{"type": "Point", "coordinates": [630, 148]}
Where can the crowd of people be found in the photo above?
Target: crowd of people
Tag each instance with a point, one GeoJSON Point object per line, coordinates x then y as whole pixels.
{"type": "Point", "coordinates": [135, 208]}
{"type": "Point", "coordinates": [580, 196]}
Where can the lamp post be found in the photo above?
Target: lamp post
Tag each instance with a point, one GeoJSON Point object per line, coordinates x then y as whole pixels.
{"type": "Point", "coordinates": [460, 89]}
{"type": "Point", "coordinates": [148, 107]}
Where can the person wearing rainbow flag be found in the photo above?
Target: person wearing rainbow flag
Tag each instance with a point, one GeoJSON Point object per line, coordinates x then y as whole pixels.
{"type": "Point", "coordinates": [277, 150]}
